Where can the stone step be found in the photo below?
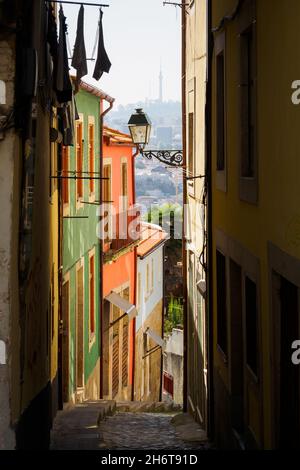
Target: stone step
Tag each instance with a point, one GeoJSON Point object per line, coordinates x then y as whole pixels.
{"type": "Point", "coordinates": [77, 426]}
{"type": "Point", "coordinates": [147, 407]}
{"type": "Point", "coordinates": [189, 430]}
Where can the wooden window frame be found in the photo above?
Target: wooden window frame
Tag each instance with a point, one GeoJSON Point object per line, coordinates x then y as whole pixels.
{"type": "Point", "coordinates": [139, 290]}
{"type": "Point", "coordinates": [92, 296]}
{"type": "Point", "coordinates": [79, 183]}
{"type": "Point", "coordinates": [248, 185]}
{"type": "Point", "coordinates": [119, 327]}
{"type": "Point", "coordinates": [152, 275]}
{"type": "Point", "coordinates": [223, 348]}
{"type": "Point", "coordinates": [66, 366]}
{"type": "Point", "coordinates": [91, 158]}
{"type": "Point", "coordinates": [250, 267]}
{"type": "Point", "coordinates": [108, 162]}
{"type": "Point", "coordinates": [79, 266]}
{"type": "Point", "coordinates": [191, 153]}
{"type": "Point", "coordinates": [253, 371]}
{"type": "Point", "coordinates": [221, 173]}
{"type": "Point", "coordinates": [147, 280]}
{"type": "Point", "coordinates": [65, 154]}
{"type": "Point", "coordinates": [124, 194]}
{"type": "Point", "coordinates": [288, 267]}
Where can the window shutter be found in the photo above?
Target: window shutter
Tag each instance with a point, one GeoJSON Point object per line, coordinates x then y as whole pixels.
{"type": "Point", "coordinates": [115, 353]}
{"type": "Point", "coordinates": [92, 156]}
{"type": "Point", "coordinates": [191, 144]}
{"type": "Point", "coordinates": [125, 352]}
{"type": "Point", "coordinates": [79, 158]}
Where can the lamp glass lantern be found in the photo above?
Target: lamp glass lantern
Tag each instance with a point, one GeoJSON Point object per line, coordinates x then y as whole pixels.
{"type": "Point", "coordinates": [140, 127]}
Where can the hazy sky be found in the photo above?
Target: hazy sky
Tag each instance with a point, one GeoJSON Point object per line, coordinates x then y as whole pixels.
{"type": "Point", "coordinates": [138, 34]}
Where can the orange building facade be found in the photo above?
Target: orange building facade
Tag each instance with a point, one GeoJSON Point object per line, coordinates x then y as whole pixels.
{"type": "Point", "coordinates": [119, 266]}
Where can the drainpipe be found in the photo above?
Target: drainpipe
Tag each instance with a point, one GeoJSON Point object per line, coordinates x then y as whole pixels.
{"type": "Point", "coordinates": [209, 275]}
{"type": "Point", "coordinates": [102, 115]}
{"type": "Point", "coordinates": [184, 257]}
{"type": "Point", "coordinates": [163, 322]}
{"type": "Point", "coordinates": [134, 155]}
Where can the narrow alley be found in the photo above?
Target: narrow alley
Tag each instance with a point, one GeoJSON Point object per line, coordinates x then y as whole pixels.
{"type": "Point", "coordinates": [149, 225]}
{"type": "Point", "coordinates": [126, 426]}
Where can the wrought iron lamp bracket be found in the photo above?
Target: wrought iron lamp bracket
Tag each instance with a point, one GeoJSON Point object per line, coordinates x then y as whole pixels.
{"type": "Point", "coordinates": [168, 157]}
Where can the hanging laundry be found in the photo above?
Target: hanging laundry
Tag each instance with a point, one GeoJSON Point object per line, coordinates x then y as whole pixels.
{"type": "Point", "coordinates": [68, 114]}
{"type": "Point", "coordinates": [79, 53]}
{"type": "Point", "coordinates": [63, 83]}
{"type": "Point", "coordinates": [103, 63]}
{"type": "Point", "coordinates": [52, 49]}
{"type": "Point", "coordinates": [52, 33]}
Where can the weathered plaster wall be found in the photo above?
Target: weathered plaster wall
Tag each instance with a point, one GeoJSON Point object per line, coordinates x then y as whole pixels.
{"type": "Point", "coordinates": [7, 158]}
{"type": "Point", "coordinates": [173, 362]}
{"type": "Point", "coordinates": [147, 387]}
{"type": "Point", "coordinates": [148, 300]}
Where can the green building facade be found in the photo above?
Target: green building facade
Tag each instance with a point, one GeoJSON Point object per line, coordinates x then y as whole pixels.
{"type": "Point", "coordinates": [81, 254]}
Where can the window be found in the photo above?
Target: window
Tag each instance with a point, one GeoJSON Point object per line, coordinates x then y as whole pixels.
{"type": "Point", "coordinates": [65, 173]}
{"type": "Point", "coordinates": [147, 279]}
{"type": "Point", "coordinates": [220, 112]}
{"type": "Point", "coordinates": [152, 275]}
{"type": "Point", "coordinates": [191, 144]}
{"type": "Point", "coordinates": [65, 347]}
{"type": "Point", "coordinates": [92, 294]}
{"type": "Point", "coordinates": [80, 325]}
{"type": "Point", "coordinates": [248, 104]}
{"type": "Point", "coordinates": [251, 325]}
{"type": "Point", "coordinates": [115, 351]}
{"type": "Point", "coordinates": [221, 302]}
{"type": "Point", "coordinates": [248, 184]}
{"type": "Point", "coordinates": [91, 156]}
{"type": "Point", "coordinates": [106, 196]}
{"type": "Point", "coordinates": [125, 352]}
{"type": "Point", "coordinates": [79, 159]}
{"type": "Point", "coordinates": [138, 292]}
{"type": "Point", "coordinates": [124, 187]}
{"type": "Point", "coordinates": [106, 185]}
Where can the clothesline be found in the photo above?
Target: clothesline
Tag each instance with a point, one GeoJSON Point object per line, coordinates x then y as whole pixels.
{"type": "Point", "coordinates": [60, 51]}
{"type": "Point", "coordinates": [79, 3]}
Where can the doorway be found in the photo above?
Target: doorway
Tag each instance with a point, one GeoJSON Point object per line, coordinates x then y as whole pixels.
{"type": "Point", "coordinates": [287, 378]}
{"type": "Point", "coordinates": [237, 350]}
{"type": "Point", "coordinates": [79, 330]}
{"type": "Point", "coordinates": [64, 335]}
{"type": "Point", "coordinates": [287, 375]}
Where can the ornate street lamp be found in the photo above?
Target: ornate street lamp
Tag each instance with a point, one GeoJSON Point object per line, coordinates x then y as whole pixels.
{"type": "Point", "coordinates": [140, 129]}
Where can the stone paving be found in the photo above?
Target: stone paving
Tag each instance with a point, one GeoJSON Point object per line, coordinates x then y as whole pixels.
{"type": "Point", "coordinates": [133, 431]}
{"type": "Point", "coordinates": [102, 424]}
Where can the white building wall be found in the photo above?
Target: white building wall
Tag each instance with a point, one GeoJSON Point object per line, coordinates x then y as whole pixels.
{"type": "Point", "coordinates": [146, 301]}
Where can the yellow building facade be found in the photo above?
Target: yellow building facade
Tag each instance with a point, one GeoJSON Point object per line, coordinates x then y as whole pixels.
{"type": "Point", "coordinates": [29, 294]}
{"type": "Point", "coordinates": [254, 225]}
{"type": "Point", "coordinates": [255, 214]}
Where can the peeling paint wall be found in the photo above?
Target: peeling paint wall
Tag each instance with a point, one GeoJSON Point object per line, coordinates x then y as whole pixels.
{"type": "Point", "coordinates": [7, 151]}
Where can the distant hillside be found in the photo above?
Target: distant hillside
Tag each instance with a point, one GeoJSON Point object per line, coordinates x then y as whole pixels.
{"type": "Point", "coordinates": [162, 114]}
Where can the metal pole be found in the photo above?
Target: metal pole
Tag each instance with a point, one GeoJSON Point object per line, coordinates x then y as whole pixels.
{"type": "Point", "coordinates": [79, 3]}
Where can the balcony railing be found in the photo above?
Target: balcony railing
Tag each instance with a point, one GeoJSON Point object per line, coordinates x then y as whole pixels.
{"type": "Point", "coordinates": [120, 229]}
{"type": "Point", "coordinates": [127, 229]}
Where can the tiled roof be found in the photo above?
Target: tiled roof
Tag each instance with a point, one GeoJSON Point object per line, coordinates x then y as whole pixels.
{"type": "Point", "coordinates": [151, 236]}
{"type": "Point", "coordinates": [117, 137]}
{"type": "Point", "coordinates": [94, 90]}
